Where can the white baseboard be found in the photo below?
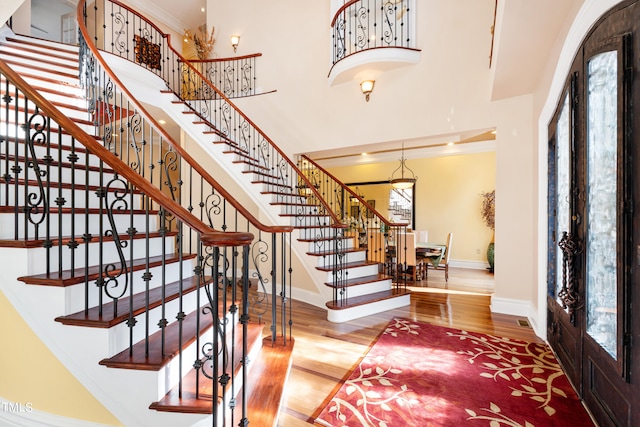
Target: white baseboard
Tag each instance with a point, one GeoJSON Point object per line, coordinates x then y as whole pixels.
{"type": "Point", "coordinates": [474, 265]}
{"type": "Point", "coordinates": [16, 414]}
{"type": "Point", "coordinates": [510, 306]}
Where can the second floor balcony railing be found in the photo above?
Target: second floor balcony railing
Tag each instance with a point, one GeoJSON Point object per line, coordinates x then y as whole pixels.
{"type": "Point", "coordinates": [360, 25]}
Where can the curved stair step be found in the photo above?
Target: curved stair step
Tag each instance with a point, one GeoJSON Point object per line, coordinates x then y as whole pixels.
{"type": "Point", "coordinates": [106, 316]}
{"type": "Point", "coordinates": [74, 277]}
{"type": "Point", "coordinates": [367, 299]}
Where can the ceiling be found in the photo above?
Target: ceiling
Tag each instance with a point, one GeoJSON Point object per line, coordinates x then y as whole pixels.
{"type": "Point", "coordinates": [526, 36]}
{"type": "Point", "coordinates": [179, 15]}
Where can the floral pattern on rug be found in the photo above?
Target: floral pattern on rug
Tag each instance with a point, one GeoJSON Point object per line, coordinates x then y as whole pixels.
{"type": "Point", "coordinates": [417, 374]}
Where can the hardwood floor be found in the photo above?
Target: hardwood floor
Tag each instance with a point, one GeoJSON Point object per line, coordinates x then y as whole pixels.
{"type": "Point", "coordinates": [325, 352]}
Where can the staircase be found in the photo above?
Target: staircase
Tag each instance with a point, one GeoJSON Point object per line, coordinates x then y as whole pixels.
{"type": "Point", "coordinates": [117, 228]}
{"type": "Point", "coordinates": [146, 304]}
{"type": "Point", "coordinates": [349, 281]}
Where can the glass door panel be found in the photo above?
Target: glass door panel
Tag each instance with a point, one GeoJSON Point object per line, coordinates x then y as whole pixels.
{"type": "Point", "coordinates": [563, 188]}
{"type": "Point", "coordinates": [601, 243]}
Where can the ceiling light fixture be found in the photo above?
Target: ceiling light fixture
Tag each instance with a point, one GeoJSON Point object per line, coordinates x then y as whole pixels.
{"type": "Point", "coordinates": [367, 88]}
{"type": "Point", "coordinates": [234, 42]}
{"type": "Point", "coordinates": [402, 182]}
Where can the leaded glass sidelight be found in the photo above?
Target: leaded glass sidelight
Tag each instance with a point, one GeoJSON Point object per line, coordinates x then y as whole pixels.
{"type": "Point", "coordinates": [563, 185]}
{"type": "Point", "coordinates": [601, 243]}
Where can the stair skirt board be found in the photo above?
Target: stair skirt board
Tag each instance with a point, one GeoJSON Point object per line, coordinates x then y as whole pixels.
{"type": "Point", "coordinates": [356, 312]}
{"type": "Point", "coordinates": [22, 414]}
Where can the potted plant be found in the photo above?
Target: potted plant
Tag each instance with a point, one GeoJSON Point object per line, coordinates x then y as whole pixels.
{"type": "Point", "coordinates": [488, 213]}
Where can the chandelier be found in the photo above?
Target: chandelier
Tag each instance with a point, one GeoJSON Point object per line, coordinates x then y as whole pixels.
{"type": "Point", "coordinates": [402, 182]}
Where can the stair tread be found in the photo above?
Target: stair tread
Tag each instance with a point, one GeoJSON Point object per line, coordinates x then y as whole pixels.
{"type": "Point", "coordinates": [361, 280]}
{"type": "Point", "coordinates": [73, 277]}
{"type": "Point", "coordinates": [44, 70]}
{"type": "Point", "coordinates": [269, 373]}
{"type": "Point", "coordinates": [367, 299]}
{"type": "Point", "coordinates": [344, 251]}
{"type": "Point", "coordinates": [176, 337]}
{"type": "Point", "coordinates": [65, 240]}
{"type": "Point", "coordinates": [55, 163]}
{"type": "Point", "coordinates": [195, 381]}
{"type": "Point", "coordinates": [354, 264]}
{"type": "Point", "coordinates": [50, 44]}
{"type": "Point", "coordinates": [40, 60]}
{"type": "Point", "coordinates": [83, 211]}
{"type": "Point", "coordinates": [81, 187]}
{"type": "Point", "coordinates": [110, 315]}
{"type": "Point", "coordinates": [16, 44]}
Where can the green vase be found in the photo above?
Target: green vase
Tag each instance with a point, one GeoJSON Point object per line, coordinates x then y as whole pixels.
{"type": "Point", "coordinates": [490, 255]}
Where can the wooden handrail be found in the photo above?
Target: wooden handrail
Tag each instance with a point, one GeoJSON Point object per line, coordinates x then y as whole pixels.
{"type": "Point", "coordinates": [339, 12]}
{"type": "Point", "coordinates": [235, 58]}
{"type": "Point", "coordinates": [354, 194]}
{"type": "Point", "coordinates": [176, 147]}
{"type": "Point", "coordinates": [94, 49]}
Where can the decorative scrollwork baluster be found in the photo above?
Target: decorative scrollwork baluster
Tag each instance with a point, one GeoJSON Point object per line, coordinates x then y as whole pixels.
{"type": "Point", "coordinates": [135, 125]}
{"type": "Point", "coordinates": [36, 206]}
{"type": "Point", "coordinates": [246, 80]}
{"type": "Point", "coordinates": [227, 87]}
{"type": "Point", "coordinates": [119, 22]}
{"type": "Point", "coordinates": [340, 49]}
{"type": "Point", "coordinates": [116, 281]}
{"type": "Point", "coordinates": [170, 163]}
{"type": "Point", "coordinates": [362, 36]}
{"type": "Point", "coordinates": [259, 257]}
{"type": "Point", "coordinates": [389, 31]}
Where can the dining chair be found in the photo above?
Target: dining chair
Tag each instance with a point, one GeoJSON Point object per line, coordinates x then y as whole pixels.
{"type": "Point", "coordinates": [407, 261]}
{"type": "Point", "coordinates": [444, 263]}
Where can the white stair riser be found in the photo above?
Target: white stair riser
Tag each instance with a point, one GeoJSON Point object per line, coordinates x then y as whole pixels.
{"type": "Point", "coordinates": [345, 315]}
{"type": "Point", "coordinates": [50, 72]}
{"type": "Point", "coordinates": [63, 58]}
{"type": "Point", "coordinates": [330, 245]}
{"type": "Point", "coordinates": [69, 96]}
{"type": "Point", "coordinates": [299, 209]}
{"type": "Point", "coordinates": [169, 375]}
{"type": "Point", "coordinates": [65, 175]}
{"type": "Point", "coordinates": [75, 294]}
{"type": "Point", "coordinates": [81, 196]}
{"type": "Point", "coordinates": [369, 288]}
{"type": "Point", "coordinates": [41, 150]}
{"type": "Point", "coordinates": [64, 103]}
{"type": "Point", "coordinates": [109, 253]}
{"type": "Point", "coordinates": [333, 259]}
{"type": "Point", "coordinates": [313, 232]}
{"type": "Point", "coordinates": [119, 334]}
{"type": "Point", "coordinates": [12, 132]}
{"type": "Point", "coordinates": [356, 272]}
{"type": "Point", "coordinates": [79, 222]}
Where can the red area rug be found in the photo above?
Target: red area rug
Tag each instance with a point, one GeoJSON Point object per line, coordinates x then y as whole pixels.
{"type": "Point", "coordinates": [420, 375]}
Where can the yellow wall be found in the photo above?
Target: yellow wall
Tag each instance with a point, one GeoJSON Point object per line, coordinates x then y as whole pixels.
{"type": "Point", "coordinates": [448, 197]}
{"type": "Point", "coordinates": [32, 376]}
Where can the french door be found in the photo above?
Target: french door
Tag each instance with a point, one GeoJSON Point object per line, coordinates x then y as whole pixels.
{"type": "Point", "coordinates": [594, 241]}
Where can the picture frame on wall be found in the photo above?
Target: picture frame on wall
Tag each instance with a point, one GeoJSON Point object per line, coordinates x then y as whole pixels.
{"type": "Point", "coordinates": [371, 203]}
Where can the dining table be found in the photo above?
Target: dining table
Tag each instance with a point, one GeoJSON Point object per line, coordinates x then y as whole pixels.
{"type": "Point", "coordinates": [431, 252]}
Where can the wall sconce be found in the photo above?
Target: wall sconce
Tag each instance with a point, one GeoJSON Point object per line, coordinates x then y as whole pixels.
{"type": "Point", "coordinates": [234, 42]}
{"type": "Point", "coordinates": [367, 88]}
